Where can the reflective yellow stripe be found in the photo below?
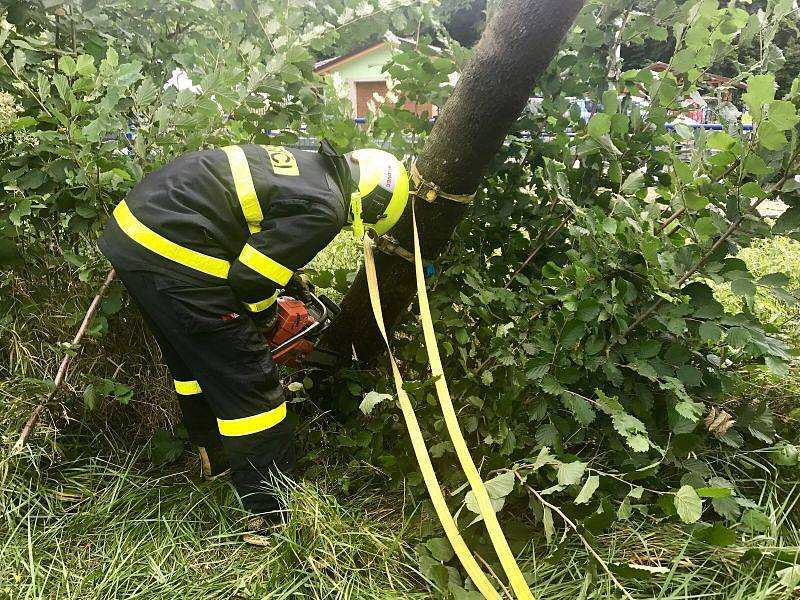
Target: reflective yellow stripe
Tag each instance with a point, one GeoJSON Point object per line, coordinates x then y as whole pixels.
{"type": "Point", "coordinates": [141, 233]}
{"type": "Point", "coordinates": [254, 424]}
{"type": "Point", "coordinates": [187, 388]}
{"type": "Point", "coordinates": [245, 189]}
{"type": "Point", "coordinates": [283, 162]}
{"type": "Point", "coordinates": [263, 305]}
{"type": "Point", "coordinates": [264, 265]}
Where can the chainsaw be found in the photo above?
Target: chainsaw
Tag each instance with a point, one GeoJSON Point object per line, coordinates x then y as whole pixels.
{"type": "Point", "coordinates": [298, 326]}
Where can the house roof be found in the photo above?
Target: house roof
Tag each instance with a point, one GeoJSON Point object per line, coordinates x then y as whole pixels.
{"type": "Point", "coordinates": [326, 65]}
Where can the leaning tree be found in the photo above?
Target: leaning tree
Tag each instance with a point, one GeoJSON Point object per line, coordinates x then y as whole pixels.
{"type": "Point", "coordinates": [516, 48]}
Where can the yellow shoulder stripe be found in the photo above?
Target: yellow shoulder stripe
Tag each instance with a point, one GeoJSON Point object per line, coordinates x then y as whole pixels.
{"type": "Point", "coordinates": [254, 424]}
{"type": "Point", "coordinates": [264, 265]}
{"type": "Point", "coordinates": [263, 304]}
{"type": "Point", "coordinates": [141, 233]}
{"type": "Point", "coordinates": [245, 188]}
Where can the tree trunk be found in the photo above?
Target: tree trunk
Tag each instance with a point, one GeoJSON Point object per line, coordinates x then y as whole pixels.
{"type": "Point", "coordinates": [519, 42]}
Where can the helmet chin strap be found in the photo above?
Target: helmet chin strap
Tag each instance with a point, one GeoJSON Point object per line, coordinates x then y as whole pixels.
{"type": "Point", "coordinates": [355, 209]}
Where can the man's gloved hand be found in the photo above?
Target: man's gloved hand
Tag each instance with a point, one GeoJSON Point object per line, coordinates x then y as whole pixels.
{"type": "Point", "coordinates": [267, 321]}
{"type": "Point", "coordinates": [300, 287]}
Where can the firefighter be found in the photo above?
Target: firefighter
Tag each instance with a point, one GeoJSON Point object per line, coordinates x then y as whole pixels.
{"type": "Point", "coordinates": [205, 245]}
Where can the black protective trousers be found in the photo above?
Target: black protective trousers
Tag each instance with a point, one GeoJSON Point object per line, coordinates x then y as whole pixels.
{"type": "Point", "coordinates": [228, 387]}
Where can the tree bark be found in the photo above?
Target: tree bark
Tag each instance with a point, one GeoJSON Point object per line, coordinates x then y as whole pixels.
{"type": "Point", "coordinates": [519, 42]}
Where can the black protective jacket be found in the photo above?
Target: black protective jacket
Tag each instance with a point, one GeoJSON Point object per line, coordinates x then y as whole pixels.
{"type": "Point", "coordinates": [247, 215]}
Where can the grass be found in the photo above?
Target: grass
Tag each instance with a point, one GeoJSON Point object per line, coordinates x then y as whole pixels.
{"type": "Point", "coordinates": [116, 527]}
{"type": "Point", "coordinates": [86, 514]}
{"type": "Point", "coordinates": [98, 528]}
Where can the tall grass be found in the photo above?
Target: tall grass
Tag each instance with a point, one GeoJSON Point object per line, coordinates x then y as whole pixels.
{"type": "Point", "coordinates": [85, 514]}
{"type": "Point", "coordinates": [105, 528]}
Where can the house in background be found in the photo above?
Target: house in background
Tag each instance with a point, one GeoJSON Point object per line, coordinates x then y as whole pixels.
{"type": "Point", "coordinates": [361, 71]}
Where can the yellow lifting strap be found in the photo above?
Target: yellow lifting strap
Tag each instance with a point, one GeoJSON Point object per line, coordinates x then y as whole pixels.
{"type": "Point", "coordinates": [420, 450]}
{"type": "Point", "coordinates": [499, 542]}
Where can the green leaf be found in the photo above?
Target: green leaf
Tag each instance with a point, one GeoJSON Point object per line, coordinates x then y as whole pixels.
{"type": "Point", "coordinates": [705, 228]}
{"type": "Point", "coordinates": [21, 209]}
{"type": "Point", "coordinates": [545, 457]}
{"type": "Point", "coordinates": [777, 366]}
{"type": "Point", "coordinates": [497, 487]}
{"type": "Point", "coordinates": [550, 384]}
{"type": "Point", "coordinates": [683, 60]}
{"type": "Point", "coordinates": [633, 183]}
{"type": "Point", "coordinates": [760, 91]}
{"type": "Point", "coordinates": [123, 393]}
{"type": "Point", "coordinates": [609, 100]}
{"type": "Point", "coordinates": [588, 490]}
{"type": "Point", "coordinates": [771, 137]}
{"type": "Point", "coordinates": [112, 58]}
{"type": "Point", "coordinates": [537, 371]}
{"type": "Point", "coordinates": [755, 165]}
{"type": "Point", "coordinates": [610, 225]}
{"type": "Point", "coordinates": [726, 507]}
{"type": "Point", "coordinates": [744, 288]}
{"type": "Point", "coordinates": [570, 473]}
{"type": "Point", "coordinates": [690, 376]}
{"type": "Point", "coordinates": [440, 549]}
{"type": "Point", "coordinates": [145, 93]}
{"type": "Point", "coordinates": [90, 397]}
{"type": "Point", "coordinates": [710, 332]}
{"type": "Point", "coordinates": [719, 140]}
{"type": "Point", "coordinates": [599, 125]}
{"type": "Point", "coordinates": [751, 189]}
{"type": "Point", "coordinates": [683, 171]}
{"type": "Point", "coordinates": [783, 115]}
{"type": "Point", "coordinates": [165, 448]}
{"type": "Point", "coordinates": [789, 577]}
{"type": "Point", "coordinates": [632, 430]}
{"type": "Point", "coordinates": [695, 201]}
{"type": "Point", "coordinates": [547, 435]}
{"type": "Point", "coordinates": [66, 64]}
{"type": "Point", "coordinates": [676, 326]}
{"type": "Point", "coordinates": [85, 65]}
{"type": "Point", "coordinates": [716, 535]}
{"type": "Point", "coordinates": [547, 524]}
{"type": "Point", "coordinates": [371, 400]}
{"type": "Point", "coordinates": [776, 279]}
{"type": "Point", "coordinates": [713, 492]}
{"type": "Point", "coordinates": [460, 593]}
{"type": "Point", "coordinates": [579, 407]}
{"type": "Point", "coordinates": [737, 337]}
{"type": "Point", "coordinates": [688, 504]}
{"type": "Point", "coordinates": [756, 520]}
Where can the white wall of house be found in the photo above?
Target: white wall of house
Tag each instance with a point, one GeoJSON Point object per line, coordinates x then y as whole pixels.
{"type": "Point", "coordinates": [365, 68]}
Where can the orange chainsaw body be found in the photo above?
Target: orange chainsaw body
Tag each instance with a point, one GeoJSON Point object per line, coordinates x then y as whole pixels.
{"type": "Point", "coordinates": [293, 319]}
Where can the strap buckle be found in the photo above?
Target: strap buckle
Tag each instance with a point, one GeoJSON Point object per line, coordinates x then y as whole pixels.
{"type": "Point", "coordinates": [429, 191]}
